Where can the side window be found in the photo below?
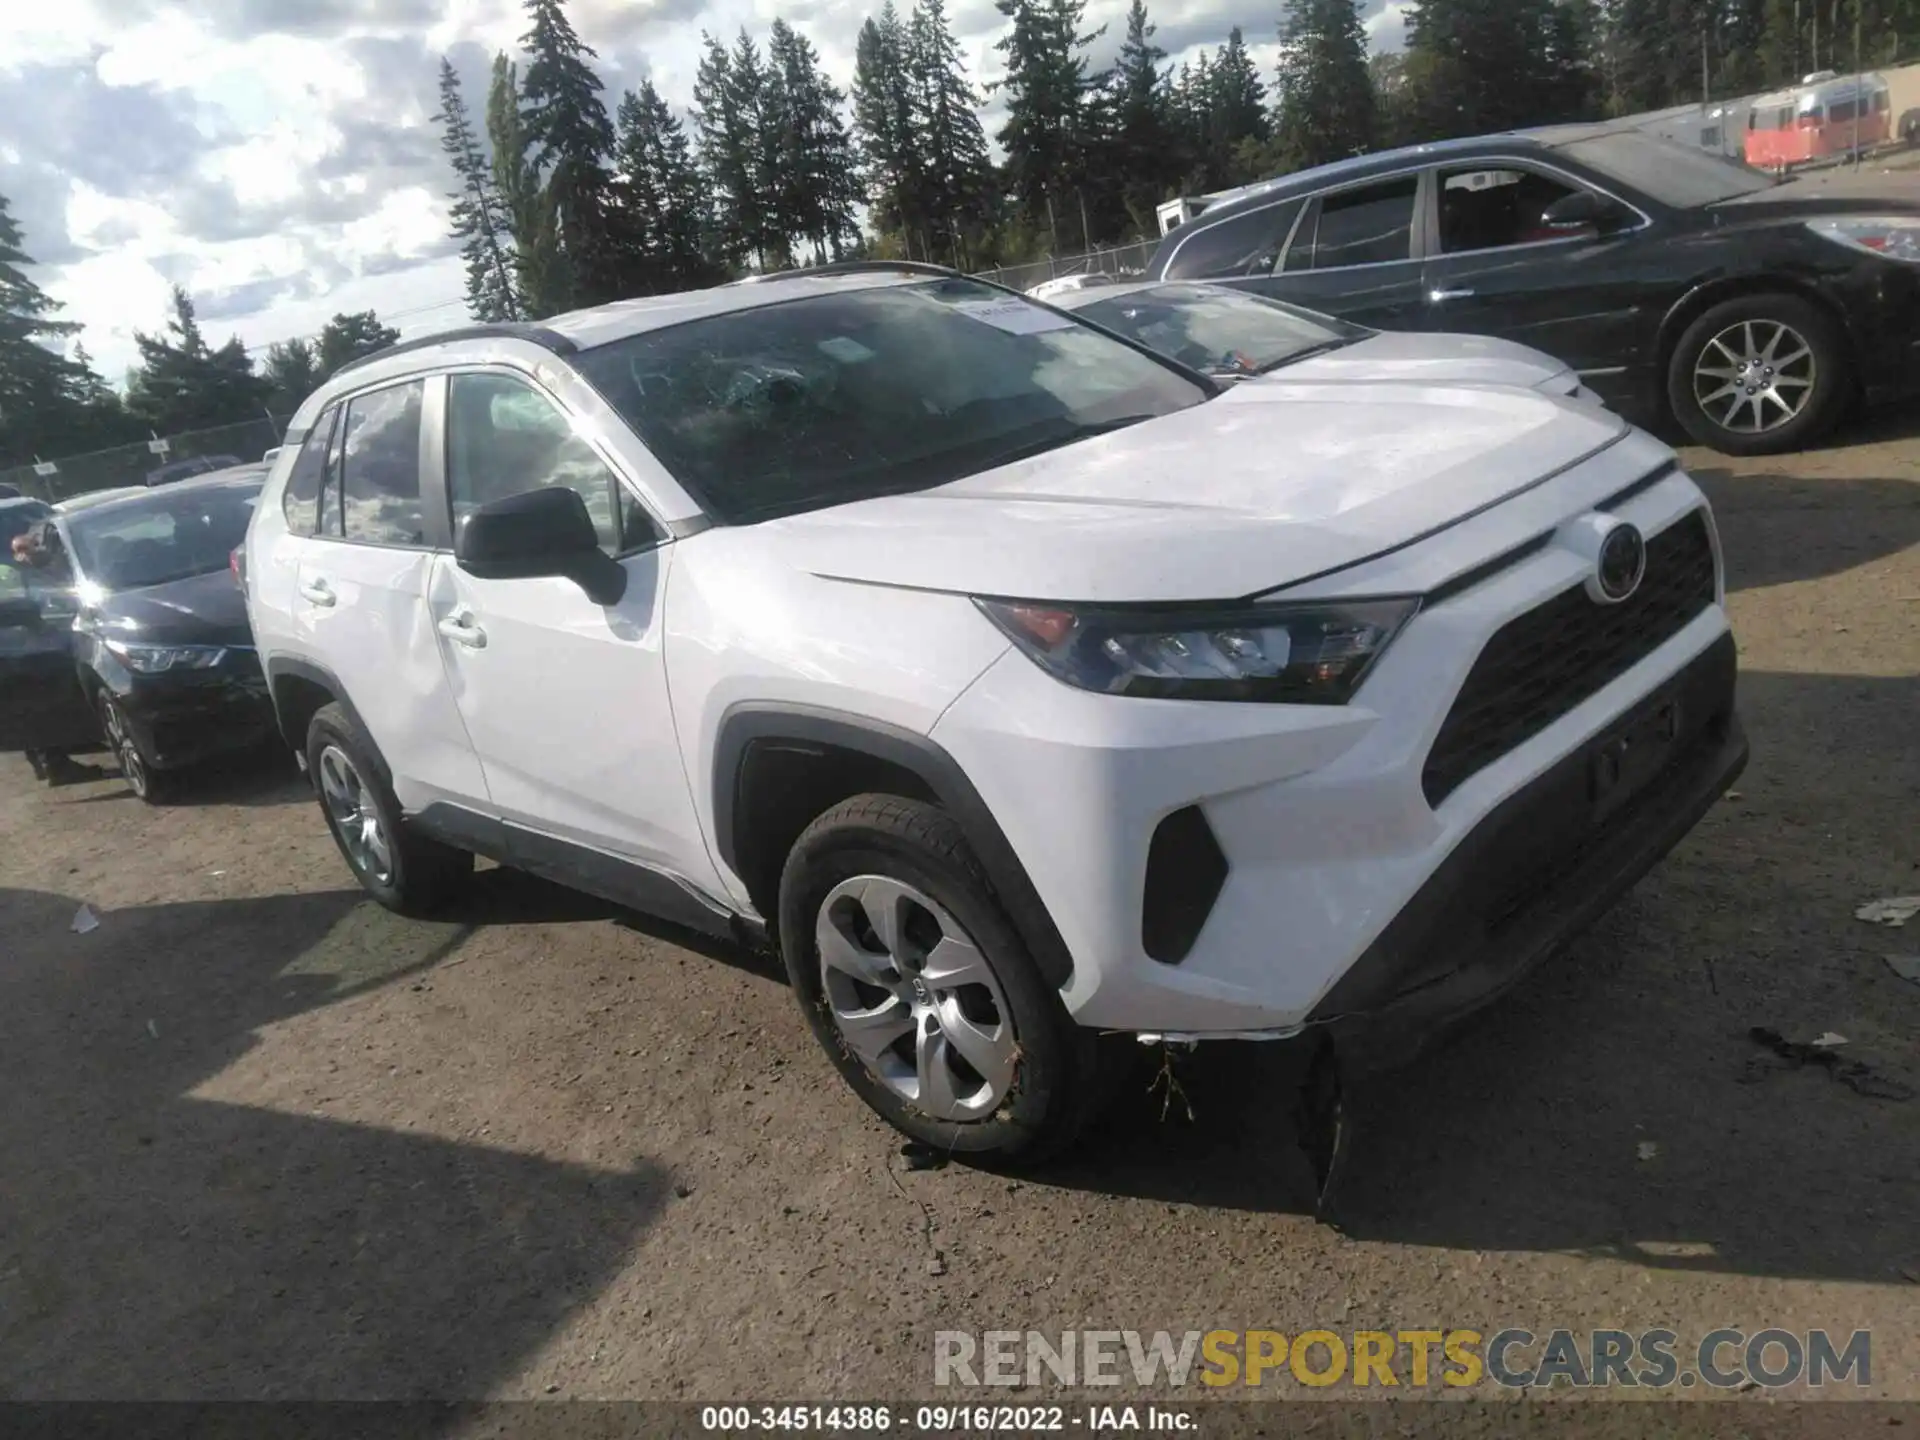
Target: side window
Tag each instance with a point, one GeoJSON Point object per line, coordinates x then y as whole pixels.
{"type": "Point", "coordinates": [301, 503]}
{"type": "Point", "coordinates": [504, 438]}
{"type": "Point", "coordinates": [1245, 245]}
{"type": "Point", "coordinates": [379, 470]}
{"type": "Point", "coordinates": [1489, 209]}
{"type": "Point", "coordinates": [1364, 226]}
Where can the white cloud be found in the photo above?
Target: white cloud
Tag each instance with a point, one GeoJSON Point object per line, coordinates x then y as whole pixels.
{"type": "Point", "coordinates": [277, 157]}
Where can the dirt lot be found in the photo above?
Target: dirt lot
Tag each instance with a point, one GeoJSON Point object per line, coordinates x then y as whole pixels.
{"type": "Point", "coordinates": [262, 1139]}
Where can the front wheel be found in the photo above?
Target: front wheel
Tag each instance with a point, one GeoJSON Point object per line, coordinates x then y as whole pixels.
{"type": "Point", "coordinates": [920, 990]}
{"type": "Point", "coordinates": [1759, 375]}
{"type": "Point", "coordinates": [142, 779]}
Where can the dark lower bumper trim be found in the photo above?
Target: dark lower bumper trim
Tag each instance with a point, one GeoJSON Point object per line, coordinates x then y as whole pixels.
{"type": "Point", "coordinates": [1533, 874]}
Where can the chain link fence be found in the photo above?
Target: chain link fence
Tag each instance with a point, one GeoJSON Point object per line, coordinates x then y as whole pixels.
{"type": "Point", "coordinates": [1118, 260]}
{"type": "Point", "coordinates": [147, 463]}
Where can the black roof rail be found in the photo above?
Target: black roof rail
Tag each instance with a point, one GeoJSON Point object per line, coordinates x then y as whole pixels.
{"type": "Point", "coordinates": [856, 267]}
{"type": "Point", "coordinates": [513, 330]}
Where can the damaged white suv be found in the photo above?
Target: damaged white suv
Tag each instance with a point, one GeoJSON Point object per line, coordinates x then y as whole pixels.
{"type": "Point", "coordinates": [1018, 683]}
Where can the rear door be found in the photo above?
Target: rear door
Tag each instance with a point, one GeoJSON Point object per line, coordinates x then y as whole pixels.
{"type": "Point", "coordinates": [360, 601]}
{"type": "Point", "coordinates": [1353, 253]}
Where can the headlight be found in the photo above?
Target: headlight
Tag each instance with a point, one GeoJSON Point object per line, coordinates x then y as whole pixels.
{"type": "Point", "coordinates": [152, 659]}
{"type": "Point", "coordinates": [1296, 654]}
{"type": "Point", "coordinates": [1896, 237]}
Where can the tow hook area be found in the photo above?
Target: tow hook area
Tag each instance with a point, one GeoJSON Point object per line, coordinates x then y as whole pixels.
{"type": "Point", "coordinates": [1321, 1124]}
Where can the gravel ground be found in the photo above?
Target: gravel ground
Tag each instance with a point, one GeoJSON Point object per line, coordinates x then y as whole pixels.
{"type": "Point", "coordinates": [265, 1140]}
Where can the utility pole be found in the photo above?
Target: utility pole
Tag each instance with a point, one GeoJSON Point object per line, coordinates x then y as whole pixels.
{"type": "Point", "coordinates": [1859, 85]}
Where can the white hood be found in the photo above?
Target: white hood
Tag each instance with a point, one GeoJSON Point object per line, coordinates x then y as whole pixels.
{"type": "Point", "coordinates": [1436, 360]}
{"type": "Point", "coordinates": [1270, 483]}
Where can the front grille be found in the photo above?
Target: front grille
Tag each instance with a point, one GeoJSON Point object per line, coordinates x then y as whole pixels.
{"type": "Point", "coordinates": [1538, 667]}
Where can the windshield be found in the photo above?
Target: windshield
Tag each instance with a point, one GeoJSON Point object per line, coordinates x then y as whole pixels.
{"type": "Point", "coordinates": [172, 536]}
{"type": "Point", "coordinates": [1216, 329]}
{"type": "Point", "coordinates": [1677, 175]}
{"type": "Point", "coordinates": [814, 402]}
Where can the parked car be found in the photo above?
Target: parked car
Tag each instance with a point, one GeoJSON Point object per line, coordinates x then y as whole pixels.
{"type": "Point", "coordinates": [1019, 683]}
{"type": "Point", "coordinates": [186, 469]}
{"type": "Point", "coordinates": [1234, 334]}
{"type": "Point", "coordinates": [160, 645]}
{"type": "Point", "coordinates": [1678, 283]}
{"type": "Point", "coordinates": [41, 705]}
{"type": "Point", "coordinates": [1064, 285]}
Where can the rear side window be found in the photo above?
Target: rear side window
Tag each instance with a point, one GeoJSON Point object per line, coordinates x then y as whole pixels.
{"type": "Point", "coordinates": [1248, 244]}
{"type": "Point", "coordinates": [372, 488]}
{"type": "Point", "coordinates": [1369, 225]}
{"type": "Point", "coordinates": [301, 502]}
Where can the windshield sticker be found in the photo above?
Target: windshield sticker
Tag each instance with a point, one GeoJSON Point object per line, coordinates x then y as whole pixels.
{"type": "Point", "coordinates": [845, 349]}
{"type": "Point", "coordinates": [1013, 315]}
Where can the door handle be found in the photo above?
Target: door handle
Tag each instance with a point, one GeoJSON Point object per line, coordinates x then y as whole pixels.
{"type": "Point", "coordinates": [461, 628]}
{"type": "Point", "coordinates": [318, 592]}
{"type": "Point", "coordinates": [1440, 297]}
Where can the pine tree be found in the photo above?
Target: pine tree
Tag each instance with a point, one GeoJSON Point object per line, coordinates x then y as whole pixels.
{"type": "Point", "coordinates": [957, 195]}
{"type": "Point", "coordinates": [662, 196]}
{"type": "Point", "coordinates": [1045, 87]}
{"type": "Point", "coordinates": [478, 213]}
{"type": "Point", "coordinates": [540, 270]}
{"type": "Point", "coordinates": [1475, 66]}
{"type": "Point", "coordinates": [571, 139]}
{"type": "Point", "coordinates": [293, 369]}
{"type": "Point", "coordinates": [726, 117]}
{"type": "Point", "coordinates": [349, 337]}
{"type": "Point", "coordinates": [891, 145]}
{"type": "Point", "coordinates": [38, 387]}
{"type": "Point", "coordinates": [812, 189]}
{"type": "Point", "coordinates": [1145, 125]}
{"type": "Point", "coordinates": [183, 384]}
{"type": "Point", "coordinates": [1328, 110]}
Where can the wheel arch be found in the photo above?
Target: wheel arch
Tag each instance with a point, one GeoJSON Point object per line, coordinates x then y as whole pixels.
{"type": "Point", "coordinates": [300, 689]}
{"type": "Point", "coordinates": [1703, 297]}
{"type": "Point", "coordinates": [776, 768]}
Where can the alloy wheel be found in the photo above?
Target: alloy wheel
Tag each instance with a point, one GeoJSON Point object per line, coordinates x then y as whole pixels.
{"type": "Point", "coordinates": [126, 751]}
{"type": "Point", "coordinates": [913, 997]}
{"type": "Point", "coordinates": [1755, 376]}
{"type": "Point", "coordinates": [355, 815]}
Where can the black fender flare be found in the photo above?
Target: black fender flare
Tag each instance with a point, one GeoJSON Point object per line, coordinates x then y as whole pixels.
{"type": "Point", "coordinates": [750, 723]}
{"type": "Point", "coordinates": [280, 667]}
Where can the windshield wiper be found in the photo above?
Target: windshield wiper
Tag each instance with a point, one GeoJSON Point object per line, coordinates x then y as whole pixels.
{"type": "Point", "coordinates": [1323, 348]}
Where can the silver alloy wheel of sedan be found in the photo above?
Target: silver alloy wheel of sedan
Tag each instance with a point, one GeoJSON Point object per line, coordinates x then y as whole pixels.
{"type": "Point", "coordinates": [913, 997]}
{"type": "Point", "coordinates": [1755, 376]}
{"type": "Point", "coordinates": [356, 815]}
{"type": "Point", "coordinates": [126, 750]}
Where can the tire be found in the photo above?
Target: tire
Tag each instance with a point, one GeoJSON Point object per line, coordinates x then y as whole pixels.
{"type": "Point", "coordinates": [877, 855]}
{"type": "Point", "coordinates": [407, 872]}
{"type": "Point", "coordinates": [154, 787]}
{"type": "Point", "coordinates": [1726, 359]}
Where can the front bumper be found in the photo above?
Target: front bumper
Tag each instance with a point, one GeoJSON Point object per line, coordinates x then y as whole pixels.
{"type": "Point", "coordinates": [1328, 822]}
{"type": "Point", "coordinates": [1531, 876]}
{"type": "Point", "coordinates": [181, 718]}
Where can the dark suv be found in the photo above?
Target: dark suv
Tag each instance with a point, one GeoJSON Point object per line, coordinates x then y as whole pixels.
{"type": "Point", "coordinates": [1679, 284]}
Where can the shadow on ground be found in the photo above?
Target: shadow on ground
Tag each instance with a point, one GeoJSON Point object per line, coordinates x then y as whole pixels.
{"type": "Point", "coordinates": [180, 1247]}
{"type": "Point", "coordinates": [1524, 1131]}
{"type": "Point", "coordinates": [1778, 530]}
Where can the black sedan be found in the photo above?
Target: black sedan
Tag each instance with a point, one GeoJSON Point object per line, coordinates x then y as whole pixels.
{"type": "Point", "coordinates": [159, 642]}
{"type": "Point", "coordinates": [1752, 310]}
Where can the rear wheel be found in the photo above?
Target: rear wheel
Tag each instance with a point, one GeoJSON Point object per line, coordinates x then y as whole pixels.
{"type": "Point", "coordinates": [921, 991]}
{"type": "Point", "coordinates": [1759, 375]}
{"type": "Point", "coordinates": [404, 871]}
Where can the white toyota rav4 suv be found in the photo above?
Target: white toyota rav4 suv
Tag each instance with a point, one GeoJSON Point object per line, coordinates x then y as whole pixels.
{"type": "Point", "coordinates": [1020, 684]}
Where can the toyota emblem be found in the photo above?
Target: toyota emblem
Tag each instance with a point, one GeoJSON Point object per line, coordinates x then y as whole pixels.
{"type": "Point", "coordinates": [1621, 563]}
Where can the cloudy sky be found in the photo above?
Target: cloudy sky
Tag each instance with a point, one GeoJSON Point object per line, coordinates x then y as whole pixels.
{"type": "Point", "coordinates": [278, 157]}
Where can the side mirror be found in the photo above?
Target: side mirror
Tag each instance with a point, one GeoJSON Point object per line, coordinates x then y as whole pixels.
{"type": "Point", "coordinates": [1582, 210]}
{"type": "Point", "coordinates": [538, 533]}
